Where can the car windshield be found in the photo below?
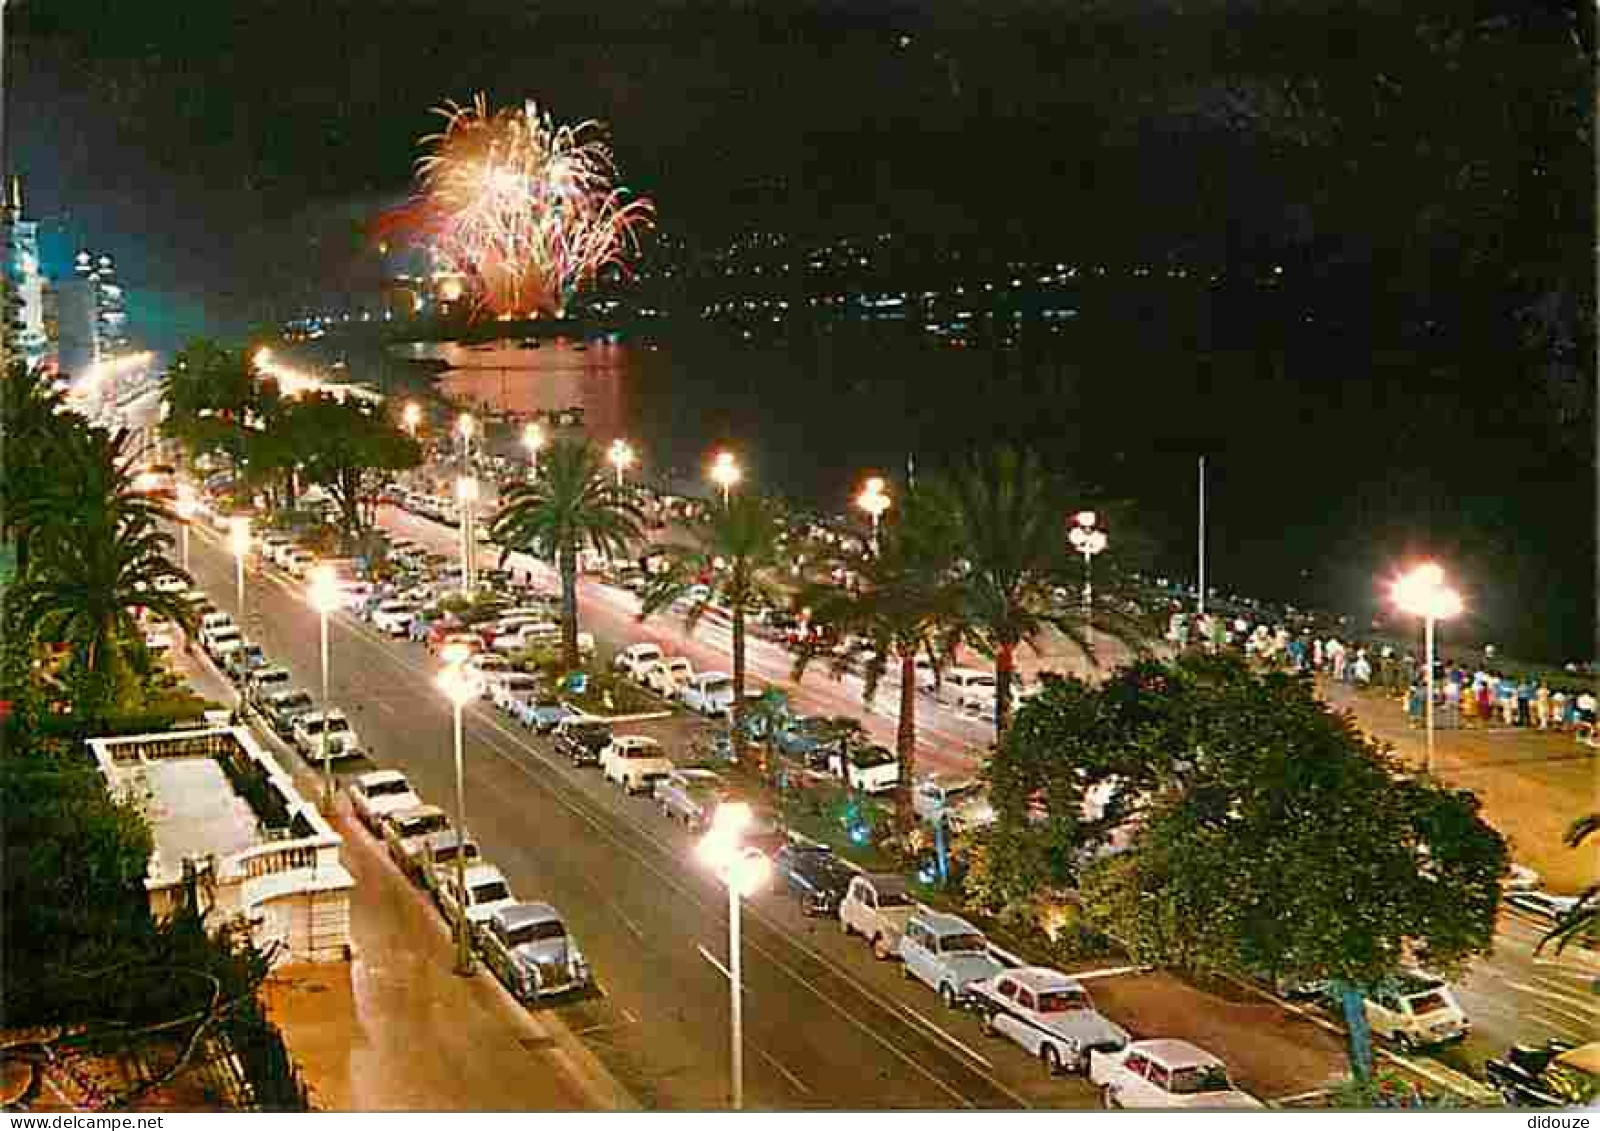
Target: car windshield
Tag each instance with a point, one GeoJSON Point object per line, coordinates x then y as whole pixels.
{"type": "Point", "coordinates": [970, 942]}
{"type": "Point", "coordinates": [718, 686]}
{"type": "Point", "coordinates": [451, 849]}
{"type": "Point", "coordinates": [537, 932]}
{"type": "Point", "coordinates": [1427, 1003]}
{"type": "Point", "coordinates": [490, 892]}
{"type": "Point", "coordinates": [590, 732]}
{"type": "Point", "coordinates": [641, 751]}
{"type": "Point", "coordinates": [1196, 1079]}
{"type": "Point", "coordinates": [421, 826]}
{"type": "Point", "coordinates": [290, 702]}
{"type": "Point", "coordinates": [893, 897]}
{"type": "Point", "coordinates": [388, 788]}
{"type": "Point", "coordinates": [871, 756]}
{"type": "Point", "coordinates": [1063, 1001]}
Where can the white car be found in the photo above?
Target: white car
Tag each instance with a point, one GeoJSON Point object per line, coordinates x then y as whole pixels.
{"type": "Point", "coordinates": [307, 735]}
{"type": "Point", "coordinates": [212, 623]}
{"type": "Point", "coordinates": [690, 796]}
{"type": "Point", "coordinates": [393, 616]}
{"type": "Point", "coordinates": [488, 669]}
{"type": "Point", "coordinates": [374, 796]}
{"type": "Point", "coordinates": [487, 892]}
{"type": "Point", "coordinates": [870, 769]}
{"type": "Point", "coordinates": [667, 676]}
{"type": "Point", "coordinates": [967, 689]}
{"type": "Point", "coordinates": [633, 659]}
{"type": "Point", "coordinates": [634, 762]}
{"type": "Point", "coordinates": [299, 562]}
{"type": "Point", "coordinates": [511, 690]}
{"type": "Point", "coordinates": [947, 954]}
{"type": "Point", "coordinates": [263, 683]}
{"type": "Point", "coordinates": [1166, 1074]}
{"type": "Point", "coordinates": [962, 803]}
{"type": "Point", "coordinates": [1416, 1010]}
{"type": "Point", "coordinates": [158, 636]}
{"type": "Point", "coordinates": [709, 693]}
{"type": "Point", "coordinates": [529, 635]}
{"type": "Point", "coordinates": [353, 594]}
{"type": "Point", "coordinates": [877, 907]}
{"type": "Point", "coordinates": [220, 642]}
{"type": "Point", "coordinates": [170, 583]}
{"type": "Point", "coordinates": [1048, 1014]}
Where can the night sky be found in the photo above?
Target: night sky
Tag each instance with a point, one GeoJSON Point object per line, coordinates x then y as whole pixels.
{"type": "Point", "coordinates": [1428, 167]}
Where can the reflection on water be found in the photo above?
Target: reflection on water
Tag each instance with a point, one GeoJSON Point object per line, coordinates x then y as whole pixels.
{"type": "Point", "coordinates": [511, 378]}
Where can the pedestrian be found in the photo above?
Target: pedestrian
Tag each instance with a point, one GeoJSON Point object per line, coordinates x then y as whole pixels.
{"type": "Point", "coordinates": [1363, 669]}
{"type": "Point", "coordinates": [1318, 654]}
{"type": "Point", "coordinates": [1558, 710]}
{"type": "Point", "coordinates": [1525, 703]}
{"type": "Point", "coordinates": [1541, 706]}
{"type": "Point", "coordinates": [1484, 700]}
{"type": "Point", "coordinates": [1508, 702]}
{"type": "Point", "coordinates": [1413, 704]}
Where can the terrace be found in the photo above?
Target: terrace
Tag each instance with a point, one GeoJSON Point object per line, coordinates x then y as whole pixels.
{"type": "Point", "coordinates": [229, 827]}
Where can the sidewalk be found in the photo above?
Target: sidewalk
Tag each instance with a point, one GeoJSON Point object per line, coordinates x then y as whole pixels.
{"type": "Point", "coordinates": [1533, 784]}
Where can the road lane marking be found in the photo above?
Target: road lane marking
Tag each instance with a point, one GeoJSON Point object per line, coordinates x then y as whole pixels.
{"type": "Point", "coordinates": [627, 922]}
{"type": "Point", "coordinates": [799, 1084]}
{"type": "Point", "coordinates": [914, 1015]}
{"type": "Point", "coordinates": [1561, 1028]}
{"type": "Point", "coordinates": [1564, 999]}
{"type": "Point", "coordinates": [726, 973]}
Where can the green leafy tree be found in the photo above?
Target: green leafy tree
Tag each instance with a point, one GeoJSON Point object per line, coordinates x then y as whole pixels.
{"type": "Point", "coordinates": [904, 604]}
{"type": "Point", "coordinates": [215, 400]}
{"type": "Point", "coordinates": [35, 421]}
{"type": "Point", "coordinates": [1007, 517]}
{"type": "Point", "coordinates": [98, 556]}
{"type": "Point", "coordinates": [574, 503]}
{"type": "Point", "coordinates": [739, 551]}
{"type": "Point", "coordinates": [349, 449]}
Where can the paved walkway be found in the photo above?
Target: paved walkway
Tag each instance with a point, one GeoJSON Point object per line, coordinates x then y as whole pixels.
{"type": "Point", "coordinates": [1533, 784]}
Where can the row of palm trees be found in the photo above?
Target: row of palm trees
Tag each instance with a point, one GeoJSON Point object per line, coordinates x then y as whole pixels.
{"type": "Point", "coordinates": [89, 548]}
{"type": "Point", "coordinates": [975, 556]}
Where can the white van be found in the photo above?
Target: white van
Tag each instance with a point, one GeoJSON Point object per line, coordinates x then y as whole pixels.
{"type": "Point", "coordinates": [710, 693]}
{"type": "Point", "coordinates": [969, 689]}
{"type": "Point", "coordinates": [1415, 1009]}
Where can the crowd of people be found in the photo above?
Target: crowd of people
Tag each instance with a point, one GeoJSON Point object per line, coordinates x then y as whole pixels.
{"type": "Point", "coordinates": [1464, 694]}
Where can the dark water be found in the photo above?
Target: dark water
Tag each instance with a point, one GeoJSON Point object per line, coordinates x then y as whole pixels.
{"type": "Point", "coordinates": [1317, 492]}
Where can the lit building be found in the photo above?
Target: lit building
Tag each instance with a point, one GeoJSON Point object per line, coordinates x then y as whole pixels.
{"type": "Point", "coordinates": [24, 313]}
{"type": "Point", "coordinates": [401, 298]}
{"type": "Point", "coordinates": [93, 313]}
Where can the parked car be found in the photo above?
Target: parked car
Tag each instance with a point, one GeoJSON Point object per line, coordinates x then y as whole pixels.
{"type": "Point", "coordinates": [690, 796]}
{"type": "Point", "coordinates": [528, 948]}
{"type": "Point", "coordinates": [376, 795]}
{"type": "Point", "coordinates": [870, 769]}
{"type": "Point", "coordinates": [543, 711]}
{"type": "Point", "coordinates": [967, 689]}
{"type": "Point", "coordinates": [527, 635]}
{"type": "Point", "coordinates": [511, 690]}
{"type": "Point", "coordinates": [1541, 904]}
{"type": "Point", "coordinates": [488, 670]}
{"type": "Point", "coordinates": [961, 802]}
{"type": "Point", "coordinates": [1165, 1074]}
{"type": "Point", "coordinates": [667, 676]}
{"type": "Point", "coordinates": [947, 954]}
{"type": "Point", "coordinates": [1047, 1013]}
{"type": "Point", "coordinates": [223, 641]}
{"type": "Point", "coordinates": [800, 736]}
{"type": "Point", "coordinates": [306, 732]}
{"type": "Point", "coordinates": [709, 693]}
{"type": "Point", "coordinates": [765, 832]}
{"type": "Point", "coordinates": [634, 762]}
{"type": "Point", "coordinates": [487, 892]}
{"type": "Point", "coordinates": [406, 832]}
{"type": "Point", "coordinates": [210, 623]}
{"type": "Point", "coordinates": [393, 616]}
{"type": "Point", "coordinates": [1414, 1009]}
{"type": "Point", "coordinates": [264, 683]}
{"type": "Point", "coordinates": [633, 659]}
{"type": "Point", "coordinates": [158, 637]}
{"type": "Point", "coordinates": [282, 708]}
{"type": "Point", "coordinates": [582, 739]}
{"type": "Point", "coordinates": [439, 853]}
{"type": "Point", "coordinates": [813, 875]}
{"type": "Point", "coordinates": [877, 907]}
{"type": "Point", "coordinates": [238, 663]}
{"type": "Point", "coordinates": [1555, 1074]}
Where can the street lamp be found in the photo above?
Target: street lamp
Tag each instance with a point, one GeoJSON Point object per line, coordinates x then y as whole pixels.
{"type": "Point", "coordinates": [467, 496]}
{"type": "Point", "coordinates": [745, 871]}
{"type": "Point", "coordinates": [533, 440]}
{"type": "Point", "coordinates": [186, 506]}
{"type": "Point", "coordinates": [621, 457]}
{"type": "Point", "coordinates": [460, 688]}
{"type": "Point", "coordinates": [324, 593]}
{"type": "Point", "coordinates": [874, 499]}
{"type": "Point", "coordinates": [465, 427]}
{"type": "Point", "coordinates": [1423, 593]}
{"type": "Point", "coordinates": [1088, 541]}
{"type": "Point", "coordinates": [411, 416]}
{"type": "Point", "coordinates": [725, 473]}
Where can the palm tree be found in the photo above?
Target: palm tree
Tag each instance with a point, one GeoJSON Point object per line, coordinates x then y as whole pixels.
{"type": "Point", "coordinates": [741, 548]}
{"type": "Point", "coordinates": [1006, 516]}
{"type": "Point", "coordinates": [574, 503]}
{"type": "Point", "coordinates": [905, 604]}
{"type": "Point", "coordinates": [98, 554]}
{"type": "Point", "coordinates": [34, 424]}
{"type": "Point", "coordinates": [1584, 917]}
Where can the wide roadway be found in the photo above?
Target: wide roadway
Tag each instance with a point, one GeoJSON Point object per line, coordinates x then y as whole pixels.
{"type": "Point", "coordinates": [825, 1025]}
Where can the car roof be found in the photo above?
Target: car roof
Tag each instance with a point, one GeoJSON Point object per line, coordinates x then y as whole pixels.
{"type": "Point", "coordinates": [479, 872]}
{"type": "Point", "coordinates": [1173, 1053]}
{"type": "Point", "coordinates": [381, 777]}
{"type": "Point", "coordinates": [1041, 978]}
{"type": "Point", "coordinates": [519, 914]}
{"type": "Point", "coordinates": [885, 881]}
{"type": "Point", "coordinates": [415, 812]}
{"type": "Point", "coordinates": [943, 923]}
{"type": "Point", "coordinates": [635, 740]}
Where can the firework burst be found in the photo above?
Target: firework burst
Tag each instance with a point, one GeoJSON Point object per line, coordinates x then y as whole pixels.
{"type": "Point", "coordinates": [529, 209]}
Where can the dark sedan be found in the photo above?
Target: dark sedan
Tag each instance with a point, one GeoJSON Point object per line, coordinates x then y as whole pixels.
{"type": "Point", "coordinates": [814, 876]}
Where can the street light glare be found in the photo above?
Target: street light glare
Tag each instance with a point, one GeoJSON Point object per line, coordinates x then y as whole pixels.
{"type": "Point", "coordinates": [239, 535]}
{"type": "Point", "coordinates": [467, 489]}
{"type": "Point", "coordinates": [533, 437]}
{"type": "Point", "coordinates": [1422, 592]}
{"type": "Point", "coordinates": [324, 588]}
{"type": "Point", "coordinates": [621, 454]}
{"type": "Point", "coordinates": [458, 686]}
{"type": "Point", "coordinates": [465, 425]}
{"type": "Point", "coordinates": [725, 471]}
{"type": "Point", "coordinates": [412, 415]}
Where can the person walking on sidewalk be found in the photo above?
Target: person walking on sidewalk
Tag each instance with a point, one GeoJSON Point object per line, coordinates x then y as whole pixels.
{"type": "Point", "coordinates": [1541, 706]}
{"type": "Point", "coordinates": [1525, 703]}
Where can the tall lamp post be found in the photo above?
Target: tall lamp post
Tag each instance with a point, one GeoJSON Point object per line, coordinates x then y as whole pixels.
{"type": "Point", "coordinates": [874, 499]}
{"type": "Point", "coordinates": [186, 506]}
{"type": "Point", "coordinates": [725, 473]}
{"type": "Point", "coordinates": [465, 427]}
{"type": "Point", "coordinates": [533, 440]}
{"type": "Point", "coordinates": [1087, 540]}
{"type": "Point", "coordinates": [621, 457]}
{"type": "Point", "coordinates": [324, 593]}
{"type": "Point", "coordinates": [460, 688]}
{"type": "Point", "coordinates": [467, 496]}
{"type": "Point", "coordinates": [239, 541]}
{"type": "Point", "coordinates": [1423, 593]}
{"type": "Point", "coordinates": [745, 871]}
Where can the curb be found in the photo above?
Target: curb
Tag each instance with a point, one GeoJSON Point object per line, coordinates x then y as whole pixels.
{"type": "Point", "coordinates": [636, 717]}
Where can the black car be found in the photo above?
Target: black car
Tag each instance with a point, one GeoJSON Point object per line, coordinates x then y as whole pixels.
{"type": "Point", "coordinates": [813, 875]}
{"type": "Point", "coordinates": [582, 740]}
{"type": "Point", "coordinates": [1551, 1075]}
